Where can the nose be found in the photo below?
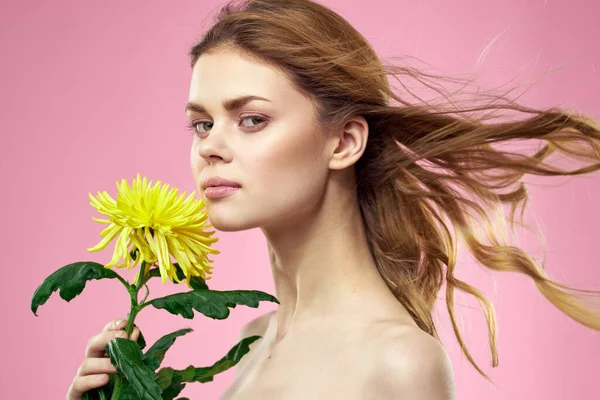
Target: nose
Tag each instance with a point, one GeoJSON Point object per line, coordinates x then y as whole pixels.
{"type": "Point", "coordinates": [214, 148]}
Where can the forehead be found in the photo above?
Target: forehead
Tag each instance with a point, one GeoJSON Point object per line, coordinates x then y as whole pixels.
{"type": "Point", "coordinates": [226, 73]}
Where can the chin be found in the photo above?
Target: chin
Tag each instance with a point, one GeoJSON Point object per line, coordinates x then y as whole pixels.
{"type": "Point", "coordinates": [230, 223]}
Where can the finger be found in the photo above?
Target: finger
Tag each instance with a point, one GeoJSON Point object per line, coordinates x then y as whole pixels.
{"type": "Point", "coordinates": [97, 343]}
{"type": "Point", "coordinates": [93, 366]}
{"type": "Point", "coordinates": [115, 324]}
{"type": "Point", "coordinates": [135, 334]}
{"type": "Point", "coordinates": [82, 384]}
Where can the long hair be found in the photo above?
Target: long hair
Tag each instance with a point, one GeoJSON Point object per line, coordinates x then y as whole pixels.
{"type": "Point", "coordinates": [428, 166]}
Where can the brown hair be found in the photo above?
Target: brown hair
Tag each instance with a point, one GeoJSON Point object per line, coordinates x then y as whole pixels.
{"type": "Point", "coordinates": [418, 155]}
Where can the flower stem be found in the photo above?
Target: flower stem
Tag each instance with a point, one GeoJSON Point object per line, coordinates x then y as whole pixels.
{"type": "Point", "coordinates": [146, 296]}
{"type": "Point", "coordinates": [133, 311]}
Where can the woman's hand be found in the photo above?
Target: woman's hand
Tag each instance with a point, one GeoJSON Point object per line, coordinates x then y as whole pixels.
{"type": "Point", "coordinates": [94, 370]}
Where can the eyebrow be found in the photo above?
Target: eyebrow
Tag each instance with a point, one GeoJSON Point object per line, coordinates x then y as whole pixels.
{"type": "Point", "coordinates": [229, 104]}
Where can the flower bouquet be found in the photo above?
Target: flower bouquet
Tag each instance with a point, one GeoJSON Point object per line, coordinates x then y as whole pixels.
{"type": "Point", "coordinates": [153, 224]}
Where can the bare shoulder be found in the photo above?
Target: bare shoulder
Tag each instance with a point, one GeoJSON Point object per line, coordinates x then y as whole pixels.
{"type": "Point", "coordinates": [257, 326]}
{"type": "Point", "coordinates": [411, 364]}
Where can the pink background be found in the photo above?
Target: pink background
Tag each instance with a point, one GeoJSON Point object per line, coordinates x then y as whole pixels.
{"type": "Point", "coordinates": [93, 92]}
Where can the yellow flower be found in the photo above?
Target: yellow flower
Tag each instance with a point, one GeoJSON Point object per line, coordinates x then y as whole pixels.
{"type": "Point", "coordinates": [151, 219]}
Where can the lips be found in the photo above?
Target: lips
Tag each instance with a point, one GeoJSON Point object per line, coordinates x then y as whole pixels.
{"type": "Point", "coordinates": [218, 181]}
{"type": "Point", "coordinates": [218, 192]}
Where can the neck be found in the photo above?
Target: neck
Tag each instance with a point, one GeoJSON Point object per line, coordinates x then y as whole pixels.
{"type": "Point", "coordinates": [322, 266]}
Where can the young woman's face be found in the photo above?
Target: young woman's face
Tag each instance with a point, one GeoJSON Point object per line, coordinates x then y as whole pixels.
{"type": "Point", "coordinates": [272, 148]}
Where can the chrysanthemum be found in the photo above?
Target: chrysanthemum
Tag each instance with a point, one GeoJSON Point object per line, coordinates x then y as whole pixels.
{"type": "Point", "coordinates": [157, 223]}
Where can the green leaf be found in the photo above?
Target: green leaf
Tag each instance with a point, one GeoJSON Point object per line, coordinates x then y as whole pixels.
{"type": "Point", "coordinates": [172, 381]}
{"type": "Point", "coordinates": [175, 378]}
{"type": "Point", "coordinates": [93, 394]}
{"type": "Point", "coordinates": [195, 282]}
{"type": "Point", "coordinates": [155, 354]}
{"type": "Point", "coordinates": [212, 303]}
{"type": "Point", "coordinates": [141, 341]}
{"type": "Point", "coordinates": [128, 392]}
{"type": "Point", "coordinates": [232, 357]}
{"type": "Point", "coordinates": [126, 356]}
{"type": "Point", "coordinates": [71, 280]}
{"type": "Point", "coordinates": [164, 377]}
{"type": "Point", "coordinates": [170, 387]}
{"type": "Point", "coordinates": [172, 391]}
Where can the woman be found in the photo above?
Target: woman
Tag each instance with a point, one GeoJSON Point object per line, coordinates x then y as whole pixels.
{"type": "Point", "coordinates": [291, 108]}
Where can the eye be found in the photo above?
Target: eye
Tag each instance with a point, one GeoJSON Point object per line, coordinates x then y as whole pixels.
{"type": "Point", "coordinates": [254, 118]}
{"type": "Point", "coordinates": [193, 126]}
{"type": "Point", "coordinates": [256, 121]}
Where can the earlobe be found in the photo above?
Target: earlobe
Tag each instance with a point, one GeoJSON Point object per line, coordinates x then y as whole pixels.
{"type": "Point", "coordinates": [351, 143]}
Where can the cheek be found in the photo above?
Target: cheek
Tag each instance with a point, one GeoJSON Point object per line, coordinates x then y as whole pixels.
{"type": "Point", "coordinates": [197, 163]}
{"type": "Point", "coordinates": [289, 170]}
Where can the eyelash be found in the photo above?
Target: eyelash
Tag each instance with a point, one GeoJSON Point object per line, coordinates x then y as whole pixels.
{"type": "Point", "coordinates": [192, 125]}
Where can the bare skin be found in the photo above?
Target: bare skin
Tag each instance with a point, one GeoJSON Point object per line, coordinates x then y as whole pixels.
{"type": "Point", "coordinates": [337, 318]}
{"type": "Point", "coordinates": [331, 359]}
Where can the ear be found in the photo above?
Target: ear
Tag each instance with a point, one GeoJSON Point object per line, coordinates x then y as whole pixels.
{"type": "Point", "coordinates": [350, 142]}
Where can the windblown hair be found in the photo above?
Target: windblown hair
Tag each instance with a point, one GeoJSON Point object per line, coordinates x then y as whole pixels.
{"type": "Point", "coordinates": [428, 166]}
